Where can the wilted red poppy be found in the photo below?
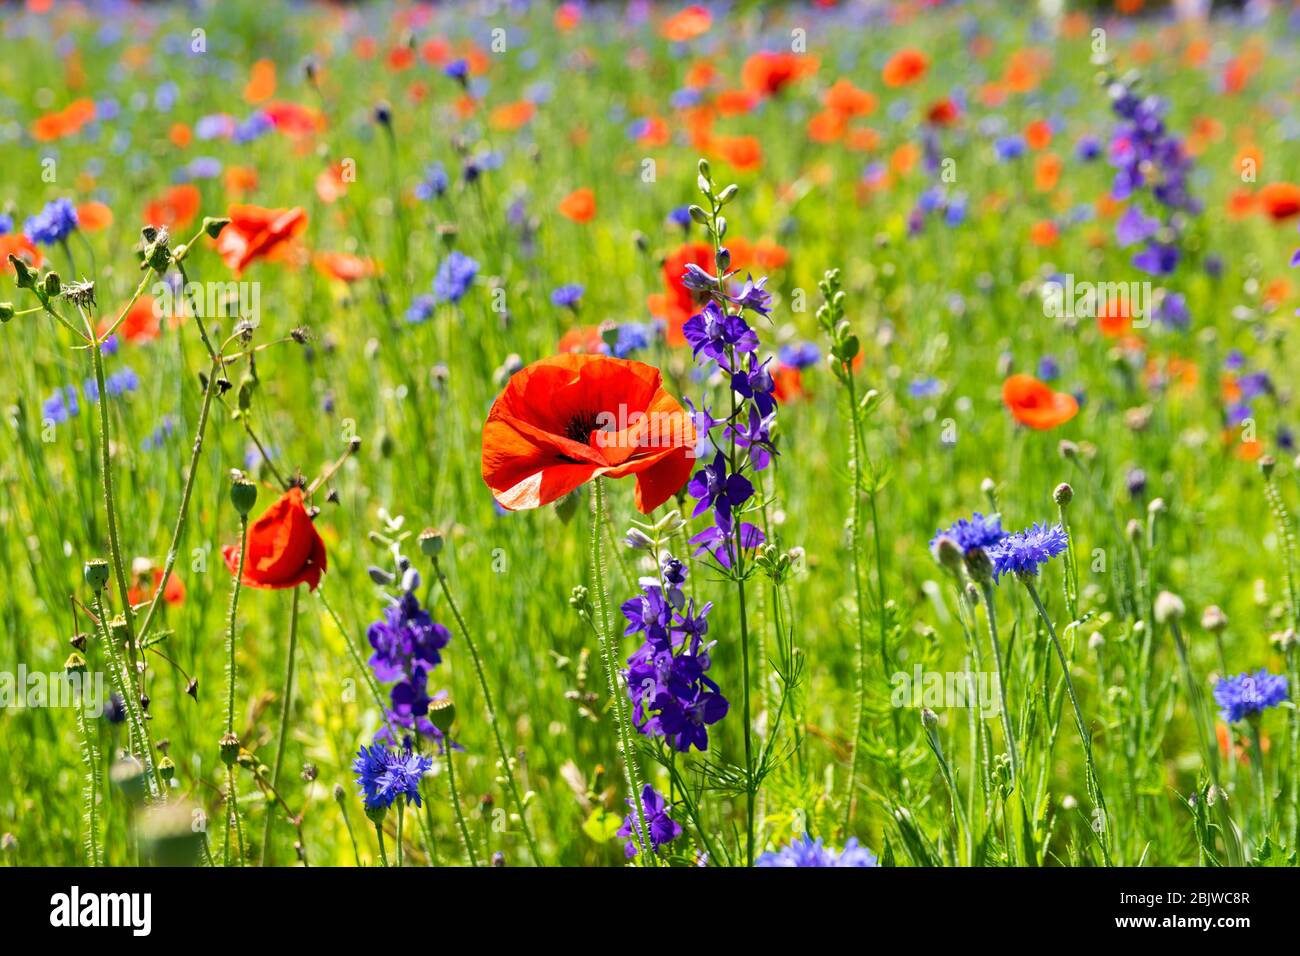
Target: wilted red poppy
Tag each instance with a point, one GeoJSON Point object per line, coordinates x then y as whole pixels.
{"type": "Point", "coordinates": [174, 593]}
{"type": "Point", "coordinates": [284, 547]}
{"type": "Point", "coordinates": [579, 205]}
{"type": "Point", "coordinates": [1035, 404]}
{"type": "Point", "coordinates": [176, 209]}
{"type": "Point", "coordinates": [255, 233]}
{"type": "Point", "coordinates": [569, 418]}
{"type": "Point", "coordinates": [904, 67]}
{"type": "Point", "coordinates": [1280, 201]}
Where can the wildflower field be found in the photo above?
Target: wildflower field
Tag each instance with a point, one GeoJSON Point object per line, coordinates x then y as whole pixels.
{"type": "Point", "coordinates": [649, 434]}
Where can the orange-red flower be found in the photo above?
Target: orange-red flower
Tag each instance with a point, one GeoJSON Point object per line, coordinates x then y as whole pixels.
{"type": "Point", "coordinates": [582, 338]}
{"type": "Point", "coordinates": [294, 119]}
{"type": "Point", "coordinates": [141, 323]}
{"type": "Point", "coordinates": [261, 82]}
{"type": "Point", "coordinates": [512, 116]}
{"type": "Point", "coordinates": [687, 23]}
{"type": "Point", "coordinates": [768, 73]}
{"type": "Point", "coordinates": [847, 100]}
{"type": "Point", "coordinates": [568, 419]}
{"type": "Point", "coordinates": [579, 205]}
{"type": "Point", "coordinates": [332, 183]}
{"type": "Point", "coordinates": [742, 152]}
{"type": "Point", "coordinates": [176, 209]}
{"type": "Point", "coordinates": [1280, 201]}
{"type": "Point", "coordinates": [1035, 404]}
{"type": "Point", "coordinates": [17, 244]}
{"type": "Point", "coordinates": [677, 303]}
{"type": "Point", "coordinates": [257, 233]}
{"type": "Point", "coordinates": [905, 67]}
{"type": "Point", "coordinates": [174, 593]}
{"type": "Point", "coordinates": [343, 266]}
{"type": "Point", "coordinates": [93, 216]}
{"type": "Point", "coordinates": [284, 547]}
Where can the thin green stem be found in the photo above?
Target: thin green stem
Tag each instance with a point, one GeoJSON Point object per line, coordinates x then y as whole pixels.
{"type": "Point", "coordinates": [286, 704]}
{"type": "Point", "coordinates": [990, 610]}
{"type": "Point", "coordinates": [455, 804]}
{"type": "Point", "coordinates": [506, 765]}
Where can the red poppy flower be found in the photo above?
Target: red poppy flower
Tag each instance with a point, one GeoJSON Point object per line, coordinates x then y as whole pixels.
{"type": "Point", "coordinates": [1035, 404]}
{"type": "Point", "coordinates": [579, 205]}
{"type": "Point", "coordinates": [176, 209]}
{"type": "Point", "coordinates": [17, 244]}
{"type": "Point", "coordinates": [141, 323]}
{"type": "Point", "coordinates": [93, 216]}
{"type": "Point", "coordinates": [943, 113]}
{"type": "Point", "coordinates": [332, 183]}
{"type": "Point", "coordinates": [768, 73]}
{"type": "Point", "coordinates": [569, 418]}
{"type": "Point", "coordinates": [678, 303]}
{"type": "Point", "coordinates": [742, 152]}
{"type": "Point", "coordinates": [687, 24]}
{"type": "Point", "coordinates": [173, 594]}
{"type": "Point", "coordinates": [284, 547]}
{"type": "Point", "coordinates": [847, 100]}
{"type": "Point", "coordinates": [256, 233]}
{"type": "Point", "coordinates": [343, 266]}
{"type": "Point", "coordinates": [582, 338]}
{"type": "Point", "coordinates": [904, 67]}
{"type": "Point", "coordinates": [261, 82]}
{"type": "Point", "coordinates": [1280, 201]}
{"type": "Point", "coordinates": [294, 119]}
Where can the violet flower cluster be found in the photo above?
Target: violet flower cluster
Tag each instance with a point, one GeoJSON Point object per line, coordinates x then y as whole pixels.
{"type": "Point", "coordinates": [407, 646]}
{"type": "Point", "coordinates": [663, 828]}
{"type": "Point", "coordinates": [1148, 158]}
{"type": "Point", "coordinates": [666, 678]}
{"type": "Point", "coordinates": [807, 852]}
{"type": "Point", "coordinates": [724, 341]}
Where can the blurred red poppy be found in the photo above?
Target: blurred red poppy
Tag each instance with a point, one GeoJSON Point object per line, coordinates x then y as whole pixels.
{"type": "Point", "coordinates": [173, 594]}
{"type": "Point", "coordinates": [257, 233]}
{"type": "Point", "coordinates": [176, 209]}
{"type": "Point", "coordinates": [905, 67]}
{"type": "Point", "coordinates": [1035, 404]}
{"type": "Point", "coordinates": [579, 205]}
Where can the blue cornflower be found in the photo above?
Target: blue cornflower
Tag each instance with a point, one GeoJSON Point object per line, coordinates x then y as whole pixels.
{"type": "Point", "coordinates": [6, 224]}
{"type": "Point", "coordinates": [1023, 552]}
{"type": "Point", "coordinates": [54, 223]}
{"type": "Point", "coordinates": [632, 337]}
{"type": "Point", "coordinates": [710, 332]}
{"type": "Point", "coordinates": [663, 828]}
{"type": "Point", "coordinates": [434, 183]}
{"type": "Point", "coordinates": [1246, 696]}
{"type": "Point", "coordinates": [420, 309]}
{"type": "Point", "coordinates": [1009, 147]}
{"type": "Point", "coordinates": [806, 852]}
{"type": "Point", "coordinates": [1049, 370]}
{"type": "Point", "coordinates": [1173, 311]}
{"type": "Point", "coordinates": [681, 217]}
{"type": "Point", "coordinates": [568, 296]}
{"type": "Point", "coordinates": [799, 355]}
{"type": "Point", "coordinates": [975, 532]}
{"type": "Point", "coordinates": [454, 277]}
{"type": "Point", "coordinates": [925, 387]}
{"type": "Point", "coordinates": [1157, 259]}
{"type": "Point", "coordinates": [256, 126]}
{"type": "Point", "coordinates": [61, 406]}
{"type": "Point", "coordinates": [1088, 148]}
{"type": "Point", "coordinates": [385, 776]}
{"type": "Point", "coordinates": [458, 70]}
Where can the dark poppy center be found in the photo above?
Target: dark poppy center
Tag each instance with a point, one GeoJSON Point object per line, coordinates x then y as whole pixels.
{"type": "Point", "coordinates": [580, 427]}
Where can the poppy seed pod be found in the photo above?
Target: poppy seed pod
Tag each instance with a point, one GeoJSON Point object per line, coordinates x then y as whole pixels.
{"type": "Point", "coordinates": [96, 574]}
{"type": "Point", "coordinates": [243, 495]}
{"type": "Point", "coordinates": [6, 311]}
{"type": "Point", "coordinates": [442, 714]}
{"type": "Point", "coordinates": [1063, 494]}
{"type": "Point", "coordinates": [430, 542]}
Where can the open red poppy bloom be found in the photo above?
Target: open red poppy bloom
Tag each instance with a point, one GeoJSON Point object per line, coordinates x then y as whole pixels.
{"type": "Point", "coordinates": [1035, 404]}
{"type": "Point", "coordinates": [284, 547]}
{"type": "Point", "coordinates": [768, 73]}
{"type": "Point", "coordinates": [176, 209]}
{"type": "Point", "coordinates": [579, 205]}
{"type": "Point", "coordinates": [904, 67]}
{"type": "Point", "coordinates": [569, 418]}
{"type": "Point", "coordinates": [256, 233]}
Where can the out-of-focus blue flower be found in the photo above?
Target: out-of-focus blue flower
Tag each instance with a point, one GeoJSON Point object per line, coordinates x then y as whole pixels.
{"type": "Point", "coordinates": [806, 852]}
{"type": "Point", "coordinates": [1246, 696]}
{"type": "Point", "coordinates": [458, 70]}
{"type": "Point", "coordinates": [799, 355]}
{"type": "Point", "coordinates": [454, 277]}
{"type": "Point", "coordinates": [1009, 147]}
{"type": "Point", "coordinates": [568, 296]}
{"type": "Point", "coordinates": [1048, 369]}
{"type": "Point", "coordinates": [434, 183]}
{"type": "Point", "coordinates": [61, 406]}
{"type": "Point", "coordinates": [6, 224]}
{"type": "Point", "coordinates": [420, 309]}
{"type": "Point", "coordinates": [974, 532]}
{"type": "Point", "coordinates": [925, 387]}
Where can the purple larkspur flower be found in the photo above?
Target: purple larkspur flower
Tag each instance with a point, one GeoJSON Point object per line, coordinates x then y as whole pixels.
{"type": "Point", "coordinates": [663, 829]}
{"type": "Point", "coordinates": [711, 333]}
{"type": "Point", "coordinates": [714, 488]}
{"type": "Point", "coordinates": [753, 296]}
